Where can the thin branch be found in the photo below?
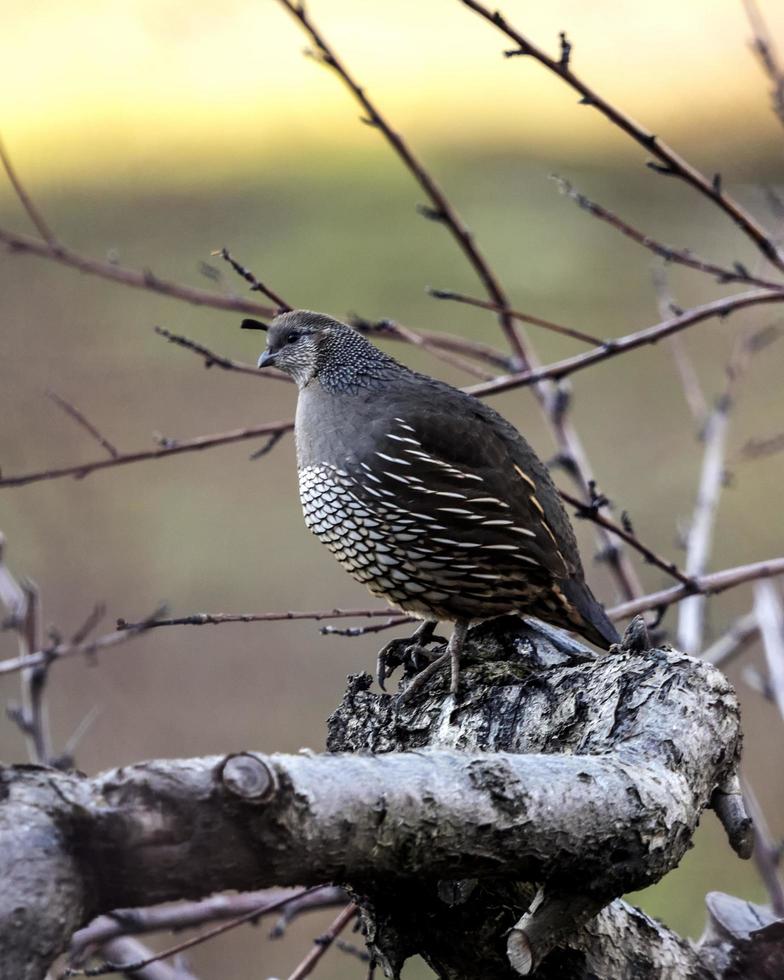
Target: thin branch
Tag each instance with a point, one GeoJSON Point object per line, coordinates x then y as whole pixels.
{"type": "Point", "coordinates": [738, 638]}
{"type": "Point", "coordinates": [188, 915]}
{"type": "Point", "coordinates": [354, 631]}
{"type": "Point", "coordinates": [73, 412]}
{"type": "Point", "coordinates": [728, 578]}
{"type": "Point", "coordinates": [770, 617]}
{"type": "Point", "coordinates": [81, 470]}
{"type": "Point", "coordinates": [107, 968]}
{"type": "Point", "coordinates": [766, 52]}
{"type": "Point", "coordinates": [212, 359]}
{"type": "Point", "coordinates": [592, 513]}
{"type": "Point", "coordinates": [61, 651]}
{"type": "Point", "coordinates": [670, 162]}
{"type": "Point", "coordinates": [27, 202]}
{"type": "Point", "coordinates": [217, 619]}
{"type": "Point", "coordinates": [441, 210]}
{"type": "Point", "coordinates": [765, 851]}
{"type": "Point", "coordinates": [537, 321]}
{"type": "Point", "coordinates": [691, 619]}
{"type": "Point", "coordinates": [22, 602]}
{"type": "Point", "coordinates": [255, 284]}
{"type": "Point", "coordinates": [136, 278]}
{"type": "Point", "coordinates": [681, 256]}
{"type": "Point", "coordinates": [757, 448]}
{"type": "Point", "coordinates": [323, 942]}
{"type": "Point", "coordinates": [621, 345]}
{"type": "Point", "coordinates": [416, 339]}
{"type": "Point", "coordinates": [443, 341]}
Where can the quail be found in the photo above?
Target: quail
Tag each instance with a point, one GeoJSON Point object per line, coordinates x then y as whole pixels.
{"type": "Point", "coordinates": [424, 493]}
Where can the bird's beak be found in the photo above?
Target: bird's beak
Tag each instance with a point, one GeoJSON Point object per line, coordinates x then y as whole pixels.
{"type": "Point", "coordinates": [267, 358]}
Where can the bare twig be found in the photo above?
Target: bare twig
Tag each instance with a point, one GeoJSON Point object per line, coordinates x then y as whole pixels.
{"type": "Point", "coordinates": [757, 448]}
{"type": "Point", "coordinates": [255, 285]}
{"type": "Point", "coordinates": [770, 617]}
{"type": "Point", "coordinates": [136, 278]}
{"type": "Point", "coordinates": [354, 631]}
{"type": "Point", "coordinates": [60, 651]}
{"type": "Point", "coordinates": [766, 52]}
{"type": "Point", "coordinates": [218, 360]}
{"type": "Point", "coordinates": [443, 341]}
{"type": "Point", "coordinates": [765, 851]}
{"type": "Point", "coordinates": [80, 470]}
{"type": "Point", "coordinates": [216, 619]}
{"type": "Point", "coordinates": [537, 321]}
{"type": "Point", "coordinates": [681, 256]}
{"type": "Point", "coordinates": [188, 915]}
{"type": "Point", "coordinates": [441, 209]}
{"type": "Point", "coordinates": [711, 584]}
{"type": "Point", "coordinates": [621, 345]}
{"type": "Point", "coordinates": [27, 202]}
{"type": "Point", "coordinates": [22, 601]}
{"type": "Point", "coordinates": [732, 643]}
{"type": "Point", "coordinates": [691, 619]}
{"type": "Point", "coordinates": [83, 421]}
{"type": "Point", "coordinates": [592, 513]}
{"type": "Point", "coordinates": [254, 914]}
{"type": "Point", "coordinates": [669, 162]}
{"type": "Point", "coordinates": [323, 943]}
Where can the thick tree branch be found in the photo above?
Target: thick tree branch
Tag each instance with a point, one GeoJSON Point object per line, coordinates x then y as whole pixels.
{"type": "Point", "coordinates": [178, 829]}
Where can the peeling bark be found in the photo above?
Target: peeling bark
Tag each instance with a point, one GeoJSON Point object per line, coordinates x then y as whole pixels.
{"type": "Point", "coordinates": [557, 774]}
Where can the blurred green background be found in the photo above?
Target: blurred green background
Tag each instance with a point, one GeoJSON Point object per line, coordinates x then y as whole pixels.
{"type": "Point", "coordinates": [198, 138]}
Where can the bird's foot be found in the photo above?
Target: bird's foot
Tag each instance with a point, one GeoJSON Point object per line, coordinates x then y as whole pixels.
{"type": "Point", "coordinates": [411, 651]}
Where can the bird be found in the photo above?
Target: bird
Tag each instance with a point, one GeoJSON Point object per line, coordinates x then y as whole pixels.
{"type": "Point", "coordinates": [424, 493]}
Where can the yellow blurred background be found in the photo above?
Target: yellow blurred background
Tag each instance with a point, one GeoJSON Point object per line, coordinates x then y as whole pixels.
{"type": "Point", "coordinates": [156, 132]}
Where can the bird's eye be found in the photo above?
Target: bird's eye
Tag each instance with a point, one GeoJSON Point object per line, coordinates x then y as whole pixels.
{"type": "Point", "coordinates": [292, 336]}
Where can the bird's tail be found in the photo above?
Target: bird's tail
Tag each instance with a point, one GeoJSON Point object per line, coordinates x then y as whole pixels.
{"type": "Point", "coordinates": [594, 623]}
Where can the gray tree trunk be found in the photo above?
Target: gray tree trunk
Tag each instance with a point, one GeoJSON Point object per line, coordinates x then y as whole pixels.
{"type": "Point", "coordinates": [491, 837]}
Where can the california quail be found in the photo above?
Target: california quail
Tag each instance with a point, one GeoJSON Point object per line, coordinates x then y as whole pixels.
{"type": "Point", "coordinates": [423, 492]}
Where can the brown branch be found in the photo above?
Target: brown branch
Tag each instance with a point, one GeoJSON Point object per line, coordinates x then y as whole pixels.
{"type": "Point", "coordinates": [757, 448]}
{"type": "Point", "coordinates": [766, 52]}
{"type": "Point", "coordinates": [441, 210]}
{"type": "Point", "coordinates": [443, 341]}
{"type": "Point", "coordinates": [354, 631]}
{"type": "Point", "coordinates": [188, 915]}
{"type": "Point", "coordinates": [136, 278]}
{"type": "Point", "coordinates": [80, 470]}
{"type": "Point", "coordinates": [83, 421]}
{"type": "Point", "coordinates": [216, 619]}
{"type": "Point", "coordinates": [670, 162]}
{"type": "Point", "coordinates": [27, 202]}
{"type": "Point", "coordinates": [537, 321]}
{"type": "Point", "coordinates": [255, 284]}
{"type": "Point", "coordinates": [212, 359]}
{"type": "Point", "coordinates": [203, 937]}
{"type": "Point", "coordinates": [61, 651]}
{"type": "Point", "coordinates": [711, 584]}
{"type": "Point", "coordinates": [680, 256]}
{"type": "Point", "coordinates": [323, 942]}
{"type": "Point", "coordinates": [592, 513]}
{"type": "Point", "coordinates": [417, 340]}
{"type": "Point", "coordinates": [621, 345]}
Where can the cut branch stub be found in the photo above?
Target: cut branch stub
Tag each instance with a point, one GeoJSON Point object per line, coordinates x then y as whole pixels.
{"type": "Point", "coordinates": [248, 776]}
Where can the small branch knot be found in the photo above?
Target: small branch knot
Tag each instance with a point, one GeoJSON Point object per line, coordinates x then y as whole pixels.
{"type": "Point", "coordinates": [247, 776]}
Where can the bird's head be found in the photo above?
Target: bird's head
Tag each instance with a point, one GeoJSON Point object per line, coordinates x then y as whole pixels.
{"type": "Point", "coordinates": [309, 345]}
